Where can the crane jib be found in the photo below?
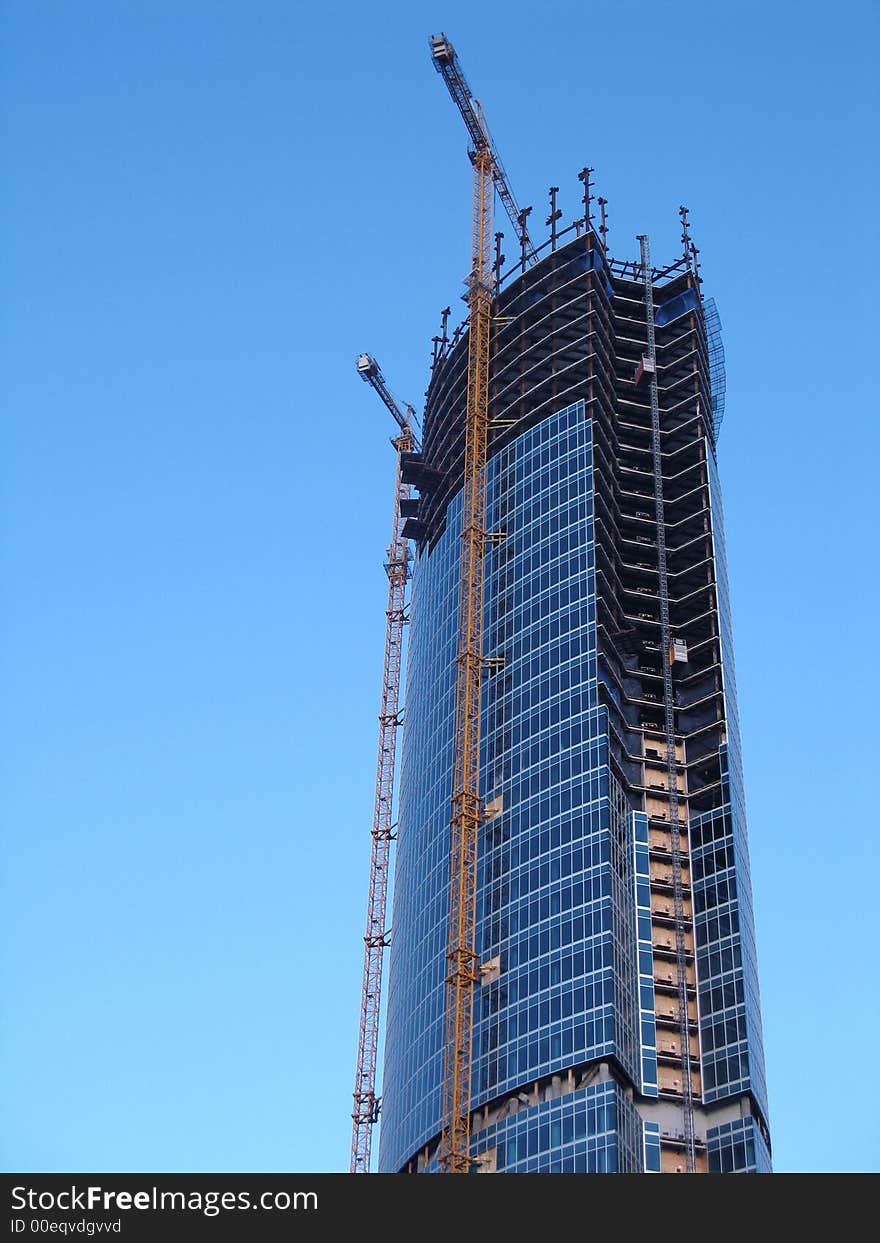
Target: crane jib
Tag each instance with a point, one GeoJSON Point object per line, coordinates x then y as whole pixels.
{"type": "Point", "coordinates": [447, 65]}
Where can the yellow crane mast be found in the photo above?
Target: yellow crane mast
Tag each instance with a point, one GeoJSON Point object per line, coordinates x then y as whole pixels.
{"type": "Point", "coordinates": [467, 806]}
{"type": "Point", "coordinates": [366, 1103]}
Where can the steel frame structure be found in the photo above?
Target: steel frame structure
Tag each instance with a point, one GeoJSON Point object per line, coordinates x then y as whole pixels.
{"type": "Point", "coordinates": [669, 710]}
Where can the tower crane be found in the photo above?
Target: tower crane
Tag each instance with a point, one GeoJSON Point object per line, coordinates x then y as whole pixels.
{"type": "Point", "coordinates": [447, 64]}
{"type": "Point", "coordinates": [366, 1103]}
{"type": "Point", "coordinates": [467, 807]}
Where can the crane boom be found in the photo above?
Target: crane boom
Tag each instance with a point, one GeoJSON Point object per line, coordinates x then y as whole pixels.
{"type": "Point", "coordinates": [366, 1103]}
{"type": "Point", "coordinates": [369, 371]}
{"type": "Point", "coordinates": [447, 64]}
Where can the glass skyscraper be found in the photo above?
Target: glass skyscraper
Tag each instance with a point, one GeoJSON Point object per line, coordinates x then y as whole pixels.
{"type": "Point", "coordinates": [617, 1021]}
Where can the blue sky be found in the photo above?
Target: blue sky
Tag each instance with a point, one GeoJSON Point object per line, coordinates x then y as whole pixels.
{"type": "Point", "coordinates": [211, 207]}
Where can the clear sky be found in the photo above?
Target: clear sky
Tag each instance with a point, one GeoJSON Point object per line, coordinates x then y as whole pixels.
{"type": "Point", "coordinates": [210, 207]}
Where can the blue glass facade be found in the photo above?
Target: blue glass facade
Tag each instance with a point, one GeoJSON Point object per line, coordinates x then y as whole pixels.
{"type": "Point", "coordinates": [557, 873]}
{"type": "Point", "coordinates": [731, 1038]}
{"type": "Point", "coordinates": [597, 1131]}
{"type": "Point", "coordinates": [645, 952]}
{"type": "Point", "coordinates": [738, 1148]}
{"type": "Point", "coordinates": [555, 882]}
{"type": "Point", "coordinates": [612, 967]}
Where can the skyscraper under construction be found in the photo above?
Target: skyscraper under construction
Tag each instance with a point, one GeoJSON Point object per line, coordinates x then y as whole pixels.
{"type": "Point", "coordinates": [614, 1020]}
